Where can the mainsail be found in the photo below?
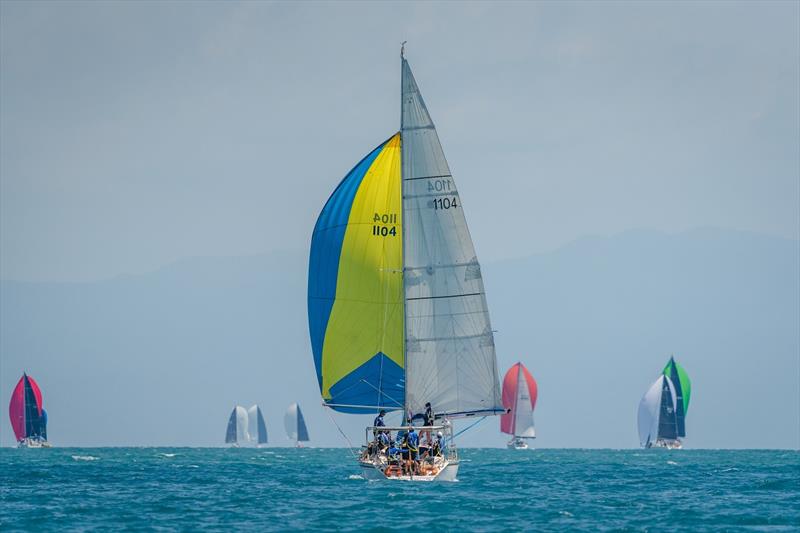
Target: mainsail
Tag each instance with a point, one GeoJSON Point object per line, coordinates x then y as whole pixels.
{"type": "Point", "coordinates": [295, 424]}
{"type": "Point", "coordinates": [396, 305]}
{"type": "Point", "coordinates": [683, 390]}
{"type": "Point", "coordinates": [656, 418]}
{"type": "Point", "coordinates": [237, 426]}
{"type": "Point", "coordinates": [28, 417]}
{"type": "Point", "coordinates": [256, 427]}
{"type": "Point", "coordinates": [519, 398]}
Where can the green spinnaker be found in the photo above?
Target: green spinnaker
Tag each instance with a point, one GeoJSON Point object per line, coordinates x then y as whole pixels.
{"type": "Point", "coordinates": [685, 383]}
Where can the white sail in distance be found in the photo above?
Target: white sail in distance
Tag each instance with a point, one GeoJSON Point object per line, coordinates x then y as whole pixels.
{"type": "Point", "coordinates": [523, 412]}
{"type": "Point", "coordinates": [650, 410]}
{"type": "Point", "coordinates": [256, 427]}
{"type": "Point", "coordinates": [295, 424]}
{"type": "Point", "coordinates": [237, 426]}
{"type": "Point", "coordinates": [450, 357]}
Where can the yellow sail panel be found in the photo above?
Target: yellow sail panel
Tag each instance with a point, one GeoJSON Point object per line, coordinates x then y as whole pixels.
{"type": "Point", "coordinates": [362, 353]}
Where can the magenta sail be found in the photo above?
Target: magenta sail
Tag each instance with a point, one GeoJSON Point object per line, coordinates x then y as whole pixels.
{"type": "Point", "coordinates": [519, 399]}
{"type": "Point", "coordinates": [28, 417]}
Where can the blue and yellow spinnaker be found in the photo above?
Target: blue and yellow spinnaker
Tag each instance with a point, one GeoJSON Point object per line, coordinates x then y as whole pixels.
{"type": "Point", "coordinates": [355, 287]}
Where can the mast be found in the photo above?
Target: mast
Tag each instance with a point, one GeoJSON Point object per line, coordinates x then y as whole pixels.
{"type": "Point", "coordinates": [403, 246]}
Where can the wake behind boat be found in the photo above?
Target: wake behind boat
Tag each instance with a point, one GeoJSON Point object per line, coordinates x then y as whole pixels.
{"type": "Point", "coordinates": [396, 304]}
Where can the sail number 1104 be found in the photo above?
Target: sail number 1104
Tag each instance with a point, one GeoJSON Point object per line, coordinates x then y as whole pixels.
{"type": "Point", "coordinates": [381, 225]}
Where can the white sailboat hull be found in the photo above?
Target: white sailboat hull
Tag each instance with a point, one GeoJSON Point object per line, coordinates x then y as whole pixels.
{"type": "Point", "coordinates": [517, 444]}
{"type": "Point", "coordinates": [447, 473]}
{"type": "Point", "coordinates": [33, 443]}
{"type": "Point", "coordinates": [669, 444]}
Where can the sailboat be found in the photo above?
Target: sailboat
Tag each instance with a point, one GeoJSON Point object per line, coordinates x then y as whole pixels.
{"type": "Point", "coordinates": [662, 411]}
{"type": "Point", "coordinates": [295, 425]}
{"type": "Point", "coordinates": [396, 305]}
{"type": "Point", "coordinates": [519, 397]}
{"type": "Point", "coordinates": [28, 417]}
{"type": "Point", "coordinates": [256, 427]}
{"type": "Point", "coordinates": [237, 433]}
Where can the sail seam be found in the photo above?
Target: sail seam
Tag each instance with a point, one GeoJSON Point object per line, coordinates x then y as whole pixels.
{"type": "Point", "coordinates": [452, 338]}
{"type": "Point", "coordinates": [431, 195]}
{"type": "Point", "coordinates": [412, 128]}
{"type": "Point", "coordinates": [429, 177]}
{"type": "Point", "coordinates": [448, 296]}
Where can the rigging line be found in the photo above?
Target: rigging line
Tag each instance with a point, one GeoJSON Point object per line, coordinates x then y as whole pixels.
{"type": "Point", "coordinates": [349, 444]}
{"type": "Point", "coordinates": [469, 427]}
{"type": "Point", "coordinates": [379, 390]}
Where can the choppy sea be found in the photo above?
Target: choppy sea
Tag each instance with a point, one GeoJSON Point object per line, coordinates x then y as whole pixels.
{"type": "Point", "coordinates": [320, 489]}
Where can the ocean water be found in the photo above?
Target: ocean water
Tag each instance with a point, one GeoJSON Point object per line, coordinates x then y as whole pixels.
{"type": "Point", "coordinates": [498, 490]}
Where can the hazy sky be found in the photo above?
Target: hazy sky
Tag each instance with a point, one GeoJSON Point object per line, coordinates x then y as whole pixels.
{"type": "Point", "coordinates": [135, 133]}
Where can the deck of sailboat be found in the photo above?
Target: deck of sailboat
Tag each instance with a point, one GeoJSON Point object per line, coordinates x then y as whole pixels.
{"type": "Point", "coordinates": [375, 464]}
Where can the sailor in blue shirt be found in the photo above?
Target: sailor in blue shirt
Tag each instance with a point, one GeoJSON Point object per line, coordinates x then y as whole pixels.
{"type": "Point", "coordinates": [393, 454]}
{"type": "Point", "coordinates": [413, 442]}
{"type": "Point", "coordinates": [378, 423]}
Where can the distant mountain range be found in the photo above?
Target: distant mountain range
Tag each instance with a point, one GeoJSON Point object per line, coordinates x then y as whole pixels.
{"type": "Point", "coordinates": [162, 358]}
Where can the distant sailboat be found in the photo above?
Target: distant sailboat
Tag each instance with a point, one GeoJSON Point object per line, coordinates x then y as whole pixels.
{"type": "Point", "coordinates": [237, 433]}
{"type": "Point", "coordinates": [295, 425]}
{"type": "Point", "coordinates": [519, 397]}
{"type": "Point", "coordinates": [256, 427]}
{"type": "Point", "coordinates": [662, 411]}
{"type": "Point", "coordinates": [396, 304]}
{"type": "Point", "coordinates": [28, 417]}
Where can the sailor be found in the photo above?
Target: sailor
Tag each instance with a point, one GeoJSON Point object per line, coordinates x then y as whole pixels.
{"type": "Point", "coordinates": [412, 439]}
{"type": "Point", "coordinates": [393, 454]}
{"type": "Point", "coordinates": [383, 439]}
{"type": "Point", "coordinates": [429, 419]}
{"type": "Point", "coordinates": [378, 423]}
{"type": "Point", "coordinates": [404, 453]}
{"type": "Point", "coordinates": [438, 445]}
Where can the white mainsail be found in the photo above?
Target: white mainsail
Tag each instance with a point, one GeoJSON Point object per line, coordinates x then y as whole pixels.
{"type": "Point", "coordinates": [256, 426]}
{"type": "Point", "coordinates": [450, 355]}
{"type": "Point", "coordinates": [295, 424]}
{"type": "Point", "coordinates": [523, 412]}
{"type": "Point", "coordinates": [237, 426]}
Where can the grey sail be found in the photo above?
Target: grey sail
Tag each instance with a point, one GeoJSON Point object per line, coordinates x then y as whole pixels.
{"type": "Point", "coordinates": [262, 428]}
{"type": "Point", "coordinates": [230, 434]}
{"type": "Point", "coordinates": [450, 354]}
{"type": "Point", "coordinates": [302, 430]}
{"type": "Point", "coordinates": [667, 418]}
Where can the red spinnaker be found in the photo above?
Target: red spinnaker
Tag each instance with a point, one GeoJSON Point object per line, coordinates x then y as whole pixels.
{"type": "Point", "coordinates": [16, 409]}
{"type": "Point", "coordinates": [510, 383]}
